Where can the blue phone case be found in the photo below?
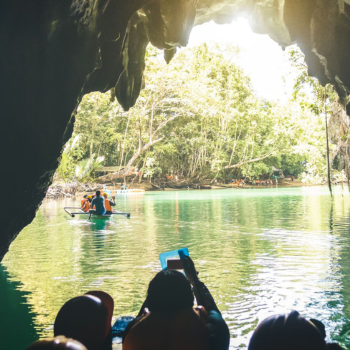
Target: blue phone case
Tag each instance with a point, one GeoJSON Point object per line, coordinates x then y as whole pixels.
{"type": "Point", "coordinates": [174, 254]}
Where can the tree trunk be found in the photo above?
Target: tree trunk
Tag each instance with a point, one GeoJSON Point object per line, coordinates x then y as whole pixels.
{"type": "Point", "coordinates": [328, 165]}
{"type": "Point", "coordinates": [126, 131]}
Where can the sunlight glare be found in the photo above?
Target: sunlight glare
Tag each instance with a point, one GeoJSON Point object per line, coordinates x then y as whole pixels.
{"type": "Point", "coordinates": [261, 58]}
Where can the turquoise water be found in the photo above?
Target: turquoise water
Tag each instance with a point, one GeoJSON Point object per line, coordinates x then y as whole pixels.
{"type": "Point", "coordinates": [260, 252]}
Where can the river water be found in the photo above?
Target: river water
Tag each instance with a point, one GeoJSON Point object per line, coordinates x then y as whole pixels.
{"type": "Point", "coordinates": [260, 252]}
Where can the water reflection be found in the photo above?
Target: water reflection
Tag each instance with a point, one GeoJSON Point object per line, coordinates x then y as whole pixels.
{"type": "Point", "coordinates": [260, 252]}
{"type": "Point", "coordinates": [16, 318]}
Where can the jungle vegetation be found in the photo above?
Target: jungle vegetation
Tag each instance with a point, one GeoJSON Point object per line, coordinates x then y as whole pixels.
{"type": "Point", "coordinates": [199, 118]}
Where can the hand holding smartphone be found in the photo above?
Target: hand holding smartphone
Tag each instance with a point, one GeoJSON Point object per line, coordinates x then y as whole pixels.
{"type": "Point", "coordinates": [172, 260]}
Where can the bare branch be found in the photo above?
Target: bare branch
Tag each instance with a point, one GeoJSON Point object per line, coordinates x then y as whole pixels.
{"type": "Point", "coordinates": [128, 168]}
{"type": "Point", "coordinates": [249, 161]}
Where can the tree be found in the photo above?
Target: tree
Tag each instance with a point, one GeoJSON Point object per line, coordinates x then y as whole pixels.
{"type": "Point", "coordinates": [198, 118]}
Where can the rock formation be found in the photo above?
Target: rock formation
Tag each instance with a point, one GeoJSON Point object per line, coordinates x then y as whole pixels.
{"type": "Point", "coordinates": [53, 52]}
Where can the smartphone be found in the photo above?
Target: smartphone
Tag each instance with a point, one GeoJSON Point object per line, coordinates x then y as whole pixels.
{"type": "Point", "coordinates": [175, 264]}
{"type": "Point", "coordinates": [171, 260]}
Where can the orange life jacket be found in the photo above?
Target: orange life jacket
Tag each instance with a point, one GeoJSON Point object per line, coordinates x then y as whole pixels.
{"type": "Point", "coordinates": [83, 201]}
{"type": "Point", "coordinates": [86, 206]}
{"type": "Point", "coordinates": [108, 205]}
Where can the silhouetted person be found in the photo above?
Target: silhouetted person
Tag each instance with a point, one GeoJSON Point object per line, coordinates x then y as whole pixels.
{"type": "Point", "coordinates": [57, 343]}
{"type": "Point", "coordinates": [99, 204]}
{"type": "Point", "coordinates": [84, 318]}
{"type": "Point", "coordinates": [172, 322]}
{"type": "Point", "coordinates": [290, 332]}
{"type": "Point", "coordinates": [108, 302]}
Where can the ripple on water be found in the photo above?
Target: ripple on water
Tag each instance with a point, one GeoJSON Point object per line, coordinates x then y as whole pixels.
{"type": "Point", "coordinates": [260, 252]}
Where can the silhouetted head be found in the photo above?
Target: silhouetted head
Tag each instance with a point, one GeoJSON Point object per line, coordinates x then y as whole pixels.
{"type": "Point", "coordinates": [57, 343]}
{"type": "Point", "coordinates": [85, 319]}
{"type": "Point", "coordinates": [169, 291]}
{"type": "Point", "coordinates": [108, 302]}
{"type": "Point", "coordinates": [291, 332]}
{"type": "Point", "coordinates": [98, 193]}
{"type": "Point", "coordinates": [85, 196]}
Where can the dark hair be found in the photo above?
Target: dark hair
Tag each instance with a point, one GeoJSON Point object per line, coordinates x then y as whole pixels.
{"type": "Point", "coordinates": [287, 331]}
{"type": "Point", "coordinates": [59, 343]}
{"type": "Point", "coordinates": [169, 291]}
{"type": "Point", "coordinates": [85, 196]}
{"type": "Point", "coordinates": [82, 318]}
{"type": "Point", "coordinates": [98, 193]}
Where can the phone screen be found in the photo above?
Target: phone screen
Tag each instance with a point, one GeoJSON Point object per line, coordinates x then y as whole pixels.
{"type": "Point", "coordinates": [175, 264]}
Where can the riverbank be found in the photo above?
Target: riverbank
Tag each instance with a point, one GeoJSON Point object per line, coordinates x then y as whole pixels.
{"type": "Point", "coordinates": [64, 190]}
{"type": "Point", "coordinates": [207, 185]}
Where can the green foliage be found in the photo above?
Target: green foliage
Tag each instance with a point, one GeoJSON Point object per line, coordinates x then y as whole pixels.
{"type": "Point", "coordinates": [315, 100]}
{"type": "Point", "coordinates": [199, 118]}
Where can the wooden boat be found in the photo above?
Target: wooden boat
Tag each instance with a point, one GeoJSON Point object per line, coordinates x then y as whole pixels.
{"type": "Point", "coordinates": [93, 216]}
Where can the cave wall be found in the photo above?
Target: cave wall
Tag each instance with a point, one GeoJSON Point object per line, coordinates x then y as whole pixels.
{"type": "Point", "coordinates": [49, 51]}
{"type": "Point", "coordinates": [53, 52]}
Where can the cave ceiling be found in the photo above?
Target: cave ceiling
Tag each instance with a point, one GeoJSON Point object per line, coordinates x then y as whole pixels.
{"type": "Point", "coordinates": [53, 52]}
{"type": "Point", "coordinates": [319, 27]}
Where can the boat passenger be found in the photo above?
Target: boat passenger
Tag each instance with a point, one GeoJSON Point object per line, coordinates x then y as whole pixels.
{"type": "Point", "coordinates": [86, 207]}
{"type": "Point", "coordinates": [84, 318]}
{"type": "Point", "coordinates": [292, 332]}
{"type": "Point", "coordinates": [83, 200]}
{"type": "Point", "coordinates": [85, 204]}
{"type": "Point", "coordinates": [109, 204]}
{"type": "Point", "coordinates": [98, 205]}
{"type": "Point", "coordinates": [57, 343]}
{"type": "Point", "coordinates": [108, 302]}
{"type": "Point", "coordinates": [172, 322]}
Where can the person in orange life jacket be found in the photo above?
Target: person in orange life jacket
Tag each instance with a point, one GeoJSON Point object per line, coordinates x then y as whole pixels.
{"type": "Point", "coordinates": [85, 204]}
{"type": "Point", "coordinates": [109, 204]}
{"type": "Point", "coordinates": [83, 200]}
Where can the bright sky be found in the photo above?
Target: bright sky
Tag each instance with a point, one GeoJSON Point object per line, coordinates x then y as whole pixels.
{"type": "Point", "coordinates": [262, 59]}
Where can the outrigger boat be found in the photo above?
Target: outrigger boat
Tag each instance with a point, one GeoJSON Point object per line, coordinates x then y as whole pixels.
{"type": "Point", "coordinates": [93, 216]}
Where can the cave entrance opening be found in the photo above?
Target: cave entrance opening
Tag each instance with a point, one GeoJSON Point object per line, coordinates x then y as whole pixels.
{"type": "Point", "coordinates": [231, 106]}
